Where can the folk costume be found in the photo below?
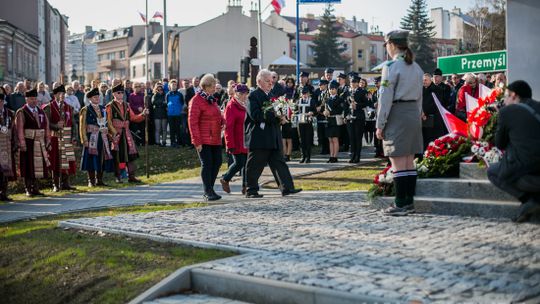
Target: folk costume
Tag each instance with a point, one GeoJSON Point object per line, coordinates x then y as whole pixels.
{"type": "Point", "coordinates": [94, 133]}
{"type": "Point", "coordinates": [123, 146]}
{"type": "Point", "coordinates": [7, 143]}
{"type": "Point", "coordinates": [62, 155]}
{"type": "Point", "coordinates": [34, 138]}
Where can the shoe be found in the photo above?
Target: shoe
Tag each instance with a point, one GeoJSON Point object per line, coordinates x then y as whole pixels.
{"type": "Point", "coordinates": [526, 210]}
{"type": "Point", "coordinates": [28, 194]}
{"type": "Point", "coordinates": [68, 187]}
{"type": "Point", "coordinates": [118, 180]}
{"type": "Point", "coordinates": [289, 192]}
{"type": "Point", "coordinates": [303, 160]}
{"type": "Point", "coordinates": [101, 183]}
{"type": "Point", "coordinates": [351, 161]}
{"type": "Point", "coordinates": [253, 195]}
{"type": "Point", "coordinates": [211, 197]}
{"type": "Point", "coordinates": [308, 161]}
{"type": "Point", "coordinates": [215, 194]}
{"type": "Point", "coordinates": [399, 211]}
{"type": "Point", "coordinates": [133, 179]}
{"type": "Point", "coordinates": [5, 198]}
{"type": "Point", "coordinates": [37, 193]}
{"type": "Point", "coordinates": [55, 189]}
{"type": "Point", "coordinates": [91, 184]}
{"type": "Point", "coordinates": [244, 189]}
{"type": "Point", "coordinates": [225, 185]}
{"type": "Point", "coordinates": [329, 160]}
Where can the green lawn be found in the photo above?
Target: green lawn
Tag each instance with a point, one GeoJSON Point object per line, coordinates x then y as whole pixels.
{"type": "Point", "coordinates": [41, 263]}
{"type": "Point", "coordinates": [166, 164]}
{"type": "Point", "coordinates": [352, 178]}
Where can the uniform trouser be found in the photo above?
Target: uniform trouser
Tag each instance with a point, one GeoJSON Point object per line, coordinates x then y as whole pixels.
{"type": "Point", "coordinates": [355, 128]}
{"type": "Point", "coordinates": [161, 130]}
{"type": "Point", "coordinates": [210, 157]}
{"type": "Point", "coordinates": [257, 160]}
{"type": "Point", "coordinates": [175, 127]}
{"type": "Point", "coordinates": [305, 135]}
{"type": "Point", "coordinates": [238, 165]}
{"type": "Point", "coordinates": [344, 141]}
{"type": "Point", "coordinates": [321, 135]}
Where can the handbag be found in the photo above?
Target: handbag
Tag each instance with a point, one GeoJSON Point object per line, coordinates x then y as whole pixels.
{"type": "Point", "coordinates": [429, 122]}
{"type": "Point", "coordinates": [340, 120]}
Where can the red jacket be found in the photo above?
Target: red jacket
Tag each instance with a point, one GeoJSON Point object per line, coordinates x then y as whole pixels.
{"type": "Point", "coordinates": [235, 114]}
{"type": "Point", "coordinates": [205, 122]}
{"type": "Point", "coordinates": [466, 88]}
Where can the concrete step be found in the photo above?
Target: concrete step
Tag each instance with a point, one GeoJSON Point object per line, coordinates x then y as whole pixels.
{"type": "Point", "coordinates": [457, 206]}
{"type": "Point", "coordinates": [193, 299]}
{"type": "Point", "coordinates": [472, 171]}
{"type": "Point", "coordinates": [461, 188]}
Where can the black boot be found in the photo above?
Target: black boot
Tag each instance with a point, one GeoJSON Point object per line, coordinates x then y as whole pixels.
{"type": "Point", "coordinates": [65, 183]}
{"type": "Point", "coordinates": [99, 179]}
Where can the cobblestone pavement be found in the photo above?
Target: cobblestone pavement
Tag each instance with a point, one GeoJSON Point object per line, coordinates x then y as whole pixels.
{"type": "Point", "coordinates": [188, 190]}
{"type": "Point", "coordinates": [333, 240]}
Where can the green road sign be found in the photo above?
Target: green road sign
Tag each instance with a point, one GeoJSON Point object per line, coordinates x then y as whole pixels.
{"type": "Point", "coordinates": [473, 63]}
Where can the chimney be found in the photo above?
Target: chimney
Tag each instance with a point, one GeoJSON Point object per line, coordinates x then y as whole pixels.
{"type": "Point", "coordinates": [88, 29]}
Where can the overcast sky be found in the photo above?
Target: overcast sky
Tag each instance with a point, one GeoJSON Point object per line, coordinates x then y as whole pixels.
{"type": "Point", "coordinates": [110, 14]}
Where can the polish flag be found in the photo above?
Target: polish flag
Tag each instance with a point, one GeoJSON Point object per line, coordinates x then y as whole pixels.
{"type": "Point", "coordinates": [278, 5]}
{"type": "Point", "coordinates": [452, 123]}
{"type": "Point", "coordinates": [158, 15]}
{"type": "Point", "coordinates": [471, 103]}
{"type": "Point", "coordinates": [143, 17]}
{"type": "Point", "coordinates": [484, 91]}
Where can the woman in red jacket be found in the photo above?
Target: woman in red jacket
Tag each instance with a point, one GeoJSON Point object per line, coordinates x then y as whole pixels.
{"type": "Point", "coordinates": [205, 124]}
{"type": "Point", "coordinates": [235, 114]}
{"type": "Point", "coordinates": [470, 87]}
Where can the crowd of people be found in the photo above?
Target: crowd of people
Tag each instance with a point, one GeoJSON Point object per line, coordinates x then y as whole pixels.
{"type": "Point", "coordinates": [399, 117]}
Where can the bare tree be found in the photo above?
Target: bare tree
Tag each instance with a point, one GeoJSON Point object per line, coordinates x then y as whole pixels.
{"type": "Point", "coordinates": [487, 29]}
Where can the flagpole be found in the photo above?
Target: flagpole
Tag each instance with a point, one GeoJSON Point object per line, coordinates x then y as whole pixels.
{"type": "Point", "coordinates": [298, 42]}
{"type": "Point", "coordinates": [146, 93]}
{"type": "Point", "coordinates": [260, 38]}
{"type": "Point", "coordinates": [165, 39]}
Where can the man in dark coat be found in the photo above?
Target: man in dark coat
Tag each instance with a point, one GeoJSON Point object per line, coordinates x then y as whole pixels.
{"type": "Point", "coordinates": [444, 90]}
{"type": "Point", "coordinates": [518, 172]}
{"type": "Point", "coordinates": [432, 122]}
{"type": "Point", "coordinates": [263, 139]}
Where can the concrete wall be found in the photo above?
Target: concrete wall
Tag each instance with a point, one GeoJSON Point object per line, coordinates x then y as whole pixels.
{"type": "Point", "coordinates": [220, 43]}
{"type": "Point", "coordinates": [522, 42]}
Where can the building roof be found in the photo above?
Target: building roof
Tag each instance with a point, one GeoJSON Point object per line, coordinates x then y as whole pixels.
{"type": "Point", "coordinates": [155, 46]}
{"type": "Point", "coordinates": [285, 60]}
{"type": "Point", "coordinates": [36, 38]}
{"type": "Point", "coordinates": [375, 37]}
{"type": "Point", "coordinates": [118, 33]}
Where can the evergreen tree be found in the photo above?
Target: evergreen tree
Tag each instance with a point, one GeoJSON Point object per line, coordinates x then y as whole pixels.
{"type": "Point", "coordinates": [326, 45]}
{"type": "Point", "coordinates": [421, 31]}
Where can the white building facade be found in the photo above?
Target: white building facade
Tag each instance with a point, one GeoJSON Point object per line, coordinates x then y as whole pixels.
{"type": "Point", "coordinates": [81, 56]}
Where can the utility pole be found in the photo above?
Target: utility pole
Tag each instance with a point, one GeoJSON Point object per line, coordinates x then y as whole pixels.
{"type": "Point", "coordinates": [146, 43]}
{"type": "Point", "coordinates": [165, 40]}
{"type": "Point", "coordinates": [260, 44]}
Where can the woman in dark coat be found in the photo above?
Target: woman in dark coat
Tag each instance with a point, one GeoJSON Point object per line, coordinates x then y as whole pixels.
{"type": "Point", "coordinates": [159, 107]}
{"type": "Point", "coordinates": [334, 115]}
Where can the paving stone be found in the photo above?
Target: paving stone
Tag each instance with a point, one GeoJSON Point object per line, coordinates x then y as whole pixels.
{"type": "Point", "coordinates": [332, 241]}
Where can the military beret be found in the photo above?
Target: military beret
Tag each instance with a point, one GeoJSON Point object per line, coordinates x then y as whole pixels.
{"type": "Point", "coordinates": [304, 74]}
{"type": "Point", "coordinates": [437, 72]}
{"type": "Point", "coordinates": [93, 92]}
{"type": "Point", "coordinates": [356, 79]}
{"type": "Point", "coordinates": [329, 70]}
{"type": "Point", "coordinates": [341, 75]}
{"type": "Point", "coordinates": [31, 93]}
{"type": "Point", "coordinates": [118, 88]}
{"type": "Point", "coordinates": [334, 84]}
{"type": "Point", "coordinates": [397, 36]}
{"type": "Point", "coordinates": [59, 89]}
{"type": "Point", "coordinates": [323, 82]}
{"type": "Point", "coordinates": [353, 74]}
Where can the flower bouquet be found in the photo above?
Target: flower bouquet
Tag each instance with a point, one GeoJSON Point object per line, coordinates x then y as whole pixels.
{"type": "Point", "coordinates": [443, 156]}
{"type": "Point", "coordinates": [383, 184]}
{"type": "Point", "coordinates": [486, 152]}
{"type": "Point", "coordinates": [282, 107]}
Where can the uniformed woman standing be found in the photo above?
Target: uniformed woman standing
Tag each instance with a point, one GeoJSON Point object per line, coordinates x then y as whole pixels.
{"type": "Point", "coordinates": [399, 118]}
{"type": "Point", "coordinates": [334, 115]}
{"type": "Point", "coordinates": [306, 108]}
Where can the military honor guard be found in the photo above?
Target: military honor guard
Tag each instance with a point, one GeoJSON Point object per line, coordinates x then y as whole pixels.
{"type": "Point", "coordinates": [306, 109]}
{"type": "Point", "coordinates": [7, 143]}
{"type": "Point", "coordinates": [123, 147]}
{"type": "Point", "coordinates": [321, 96]}
{"type": "Point", "coordinates": [34, 139]}
{"type": "Point", "coordinates": [356, 118]}
{"type": "Point", "coordinates": [94, 133]}
{"type": "Point", "coordinates": [62, 155]}
{"type": "Point", "coordinates": [399, 123]}
{"type": "Point", "coordinates": [335, 120]}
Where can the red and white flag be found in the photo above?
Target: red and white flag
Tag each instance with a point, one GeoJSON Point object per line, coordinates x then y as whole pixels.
{"type": "Point", "coordinates": [452, 123]}
{"type": "Point", "coordinates": [158, 15]}
{"type": "Point", "coordinates": [143, 17]}
{"type": "Point", "coordinates": [484, 91]}
{"type": "Point", "coordinates": [471, 103]}
{"type": "Point", "coordinates": [278, 5]}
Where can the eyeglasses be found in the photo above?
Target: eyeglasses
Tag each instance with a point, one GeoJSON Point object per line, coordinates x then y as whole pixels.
{"type": "Point", "coordinates": [120, 92]}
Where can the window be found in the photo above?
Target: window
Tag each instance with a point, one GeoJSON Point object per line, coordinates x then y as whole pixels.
{"type": "Point", "coordinates": [133, 73]}
{"type": "Point", "coordinates": [122, 54]}
{"type": "Point", "coordinates": [372, 49]}
{"type": "Point", "coordinates": [122, 73]}
{"type": "Point", "coordinates": [110, 56]}
{"type": "Point", "coordinates": [157, 70]}
{"type": "Point", "coordinates": [101, 57]}
{"type": "Point", "coordinates": [449, 52]}
{"type": "Point", "coordinates": [360, 54]}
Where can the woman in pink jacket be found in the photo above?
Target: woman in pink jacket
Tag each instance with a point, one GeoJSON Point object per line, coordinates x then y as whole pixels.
{"type": "Point", "coordinates": [205, 124]}
{"type": "Point", "coordinates": [235, 114]}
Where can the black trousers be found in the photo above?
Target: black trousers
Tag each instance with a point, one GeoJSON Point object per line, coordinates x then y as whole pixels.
{"type": "Point", "coordinates": [257, 160]}
{"type": "Point", "coordinates": [524, 188]}
{"type": "Point", "coordinates": [355, 128]}
{"type": "Point", "coordinates": [323, 140]}
{"type": "Point", "coordinates": [174, 126]}
{"type": "Point", "coordinates": [210, 157]}
{"type": "Point", "coordinates": [238, 165]}
{"type": "Point", "coordinates": [344, 141]}
{"type": "Point", "coordinates": [305, 135]}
